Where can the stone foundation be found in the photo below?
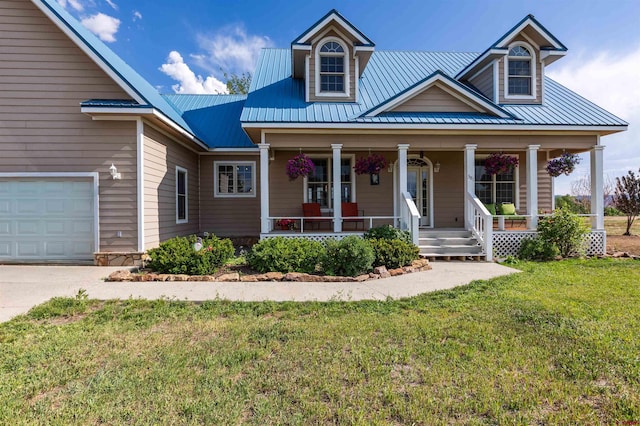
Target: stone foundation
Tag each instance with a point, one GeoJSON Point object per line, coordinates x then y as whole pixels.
{"type": "Point", "coordinates": [118, 258]}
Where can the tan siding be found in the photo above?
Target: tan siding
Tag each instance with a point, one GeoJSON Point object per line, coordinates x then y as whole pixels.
{"type": "Point", "coordinates": [229, 217]}
{"type": "Point", "coordinates": [484, 82]}
{"type": "Point", "coordinates": [43, 78]}
{"type": "Point", "coordinates": [448, 189]}
{"type": "Point", "coordinates": [545, 186]}
{"type": "Point", "coordinates": [433, 99]}
{"type": "Point", "coordinates": [312, 74]}
{"type": "Point", "coordinates": [161, 156]}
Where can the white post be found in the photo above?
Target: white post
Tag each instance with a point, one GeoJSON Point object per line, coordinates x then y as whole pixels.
{"type": "Point", "coordinates": [597, 187]}
{"type": "Point", "coordinates": [337, 186]}
{"type": "Point", "coordinates": [403, 148]}
{"type": "Point", "coordinates": [469, 181]}
{"type": "Point", "coordinates": [532, 186]}
{"type": "Point", "coordinates": [265, 225]}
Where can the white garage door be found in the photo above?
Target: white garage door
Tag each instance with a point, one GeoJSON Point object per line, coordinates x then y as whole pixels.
{"type": "Point", "coordinates": [46, 219]}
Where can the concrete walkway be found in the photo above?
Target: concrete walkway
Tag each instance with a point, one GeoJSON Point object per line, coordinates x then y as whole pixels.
{"type": "Point", "coordinates": [23, 287]}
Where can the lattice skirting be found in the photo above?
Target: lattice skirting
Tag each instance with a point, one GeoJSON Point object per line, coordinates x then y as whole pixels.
{"type": "Point", "coordinates": [322, 237]}
{"type": "Point", "coordinates": [508, 243]}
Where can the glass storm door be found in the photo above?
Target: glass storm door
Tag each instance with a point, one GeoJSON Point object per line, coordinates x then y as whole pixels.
{"type": "Point", "coordinates": [419, 188]}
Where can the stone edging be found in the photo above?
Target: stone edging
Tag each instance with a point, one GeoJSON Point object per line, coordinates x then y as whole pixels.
{"type": "Point", "coordinates": [379, 272]}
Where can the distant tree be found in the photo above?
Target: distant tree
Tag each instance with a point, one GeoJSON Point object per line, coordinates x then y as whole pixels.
{"type": "Point", "coordinates": [238, 84]}
{"type": "Point", "coordinates": [570, 203]}
{"type": "Point", "coordinates": [627, 197]}
{"type": "Point", "coordinates": [581, 190]}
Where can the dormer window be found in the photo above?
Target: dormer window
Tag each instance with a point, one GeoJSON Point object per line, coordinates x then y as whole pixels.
{"type": "Point", "coordinates": [520, 72]}
{"type": "Point", "coordinates": [333, 69]}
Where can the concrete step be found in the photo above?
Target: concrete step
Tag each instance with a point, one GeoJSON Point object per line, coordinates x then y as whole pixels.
{"type": "Point", "coordinates": [445, 233]}
{"type": "Point", "coordinates": [451, 250]}
{"type": "Point", "coordinates": [439, 241]}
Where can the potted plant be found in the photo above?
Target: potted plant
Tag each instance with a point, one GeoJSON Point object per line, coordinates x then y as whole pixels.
{"type": "Point", "coordinates": [499, 163]}
{"type": "Point", "coordinates": [371, 165]}
{"type": "Point", "coordinates": [565, 164]}
{"type": "Point", "coordinates": [300, 165]}
{"type": "Point", "coordinates": [286, 224]}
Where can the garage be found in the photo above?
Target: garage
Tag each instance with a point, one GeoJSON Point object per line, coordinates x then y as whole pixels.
{"type": "Point", "coordinates": [47, 218]}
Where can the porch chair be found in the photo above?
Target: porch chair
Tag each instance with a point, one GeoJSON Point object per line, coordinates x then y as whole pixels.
{"type": "Point", "coordinates": [312, 210]}
{"type": "Point", "coordinates": [349, 212]}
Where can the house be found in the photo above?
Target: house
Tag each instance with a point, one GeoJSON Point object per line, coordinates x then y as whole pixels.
{"type": "Point", "coordinates": [95, 164]}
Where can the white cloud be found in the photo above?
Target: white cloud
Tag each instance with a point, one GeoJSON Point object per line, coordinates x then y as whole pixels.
{"type": "Point", "coordinates": [188, 81]}
{"type": "Point", "coordinates": [610, 81]}
{"type": "Point", "coordinates": [104, 26]}
{"type": "Point", "coordinates": [231, 49]}
{"type": "Point", "coordinates": [76, 4]}
{"type": "Point", "coordinates": [136, 15]}
{"type": "Point", "coordinates": [112, 4]}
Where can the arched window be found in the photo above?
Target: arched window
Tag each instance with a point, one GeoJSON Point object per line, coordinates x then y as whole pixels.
{"type": "Point", "coordinates": [520, 71]}
{"type": "Point", "coordinates": [332, 67]}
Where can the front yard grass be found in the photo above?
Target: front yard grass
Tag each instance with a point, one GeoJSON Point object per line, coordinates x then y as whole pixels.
{"type": "Point", "coordinates": [556, 344]}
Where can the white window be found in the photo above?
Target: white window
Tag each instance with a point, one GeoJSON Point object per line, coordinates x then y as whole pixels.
{"type": "Point", "coordinates": [520, 73]}
{"type": "Point", "coordinates": [234, 178]}
{"type": "Point", "coordinates": [318, 187]}
{"type": "Point", "coordinates": [182, 198]}
{"type": "Point", "coordinates": [498, 188]}
{"type": "Point", "coordinates": [332, 69]}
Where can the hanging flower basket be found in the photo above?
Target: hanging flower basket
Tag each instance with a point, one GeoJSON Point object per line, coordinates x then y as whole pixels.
{"type": "Point", "coordinates": [565, 164]}
{"type": "Point", "coordinates": [300, 165]}
{"type": "Point", "coordinates": [370, 165]}
{"type": "Point", "coordinates": [499, 163]}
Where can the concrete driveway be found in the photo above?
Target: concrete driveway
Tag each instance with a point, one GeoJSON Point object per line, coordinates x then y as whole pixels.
{"type": "Point", "coordinates": [24, 286]}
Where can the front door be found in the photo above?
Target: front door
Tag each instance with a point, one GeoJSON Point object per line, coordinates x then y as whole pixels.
{"type": "Point", "coordinates": [419, 186]}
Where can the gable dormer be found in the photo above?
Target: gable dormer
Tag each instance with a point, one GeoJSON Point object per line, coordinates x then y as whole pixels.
{"type": "Point", "coordinates": [511, 71]}
{"type": "Point", "coordinates": [330, 57]}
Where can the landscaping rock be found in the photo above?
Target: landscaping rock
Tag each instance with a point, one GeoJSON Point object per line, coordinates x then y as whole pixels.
{"type": "Point", "coordinates": [295, 276]}
{"type": "Point", "coordinates": [397, 271]}
{"type": "Point", "coordinates": [202, 278]}
{"type": "Point", "coordinates": [249, 278]}
{"type": "Point", "coordinates": [163, 277]}
{"type": "Point", "coordinates": [274, 276]}
{"type": "Point", "coordinates": [374, 276]}
{"type": "Point", "coordinates": [234, 276]}
{"type": "Point", "coordinates": [123, 275]}
{"type": "Point", "coordinates": [420, 263]}
{"type": "Point", "coordinates": [178, 277]}
{"type": "Point", "coordinates": [381, 271]}
{"type": "Point", "coordinates": [362, 278]}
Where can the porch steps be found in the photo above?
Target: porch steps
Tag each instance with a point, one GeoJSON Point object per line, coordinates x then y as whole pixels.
{"type": "Point", "coordinates": [448, 244]}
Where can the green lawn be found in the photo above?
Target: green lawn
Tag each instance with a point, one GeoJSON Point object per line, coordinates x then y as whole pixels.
{"type": "Point", "coordinates": [556, 344]}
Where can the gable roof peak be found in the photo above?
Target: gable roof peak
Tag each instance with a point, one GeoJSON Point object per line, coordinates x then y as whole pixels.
{"type": "Point", "coordinates": [333, 16]}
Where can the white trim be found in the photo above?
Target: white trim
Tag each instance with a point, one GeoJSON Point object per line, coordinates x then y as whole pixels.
{"type": "Point", "coordinates": [329, 158]}
{"type": "Point", "coordinates": [496, 82]}
{"type": "Point", "coordinates": [431, 207]}
{"type": "Point", "coordinates": [479, 59]}
{"type": "Point", "coordinates": [89, 52]}
{"type": "Point", "coordinates": [307, 91]}
{"type": "Point", "coordinates": [140, 182]}
{"type": "Point", "coordinates": [332, 17]}
{"type": "Point", "coordinates": [186, 195]}
{"type": "Point", "coordinates": [427, 84]}
{"type": "Point", "coordinates": [327, 30]}
{"type": "Point", "coordinates": [508, 37]}
{"type": "Point", "coordinates": [179, 128]}
{"type": "Point", "coordinates": [347, 59]}
{"type": "Point", "coordinates": [116, 110]}
{"type": "Point", "coordinates": [217, 194]}
{"type": "Point", "coordinates": [483, 69]}
{"type": "Point", "coordinates": [357, 49]}
{"type": "Point", "coordinates": [96, 193]}
{"type": "Point", "coordinates": [265, 223]}
{"type": "Point", "coordinates": [301, 47]}
{"type": "Point", "coordinates": [356, 73]}
{"type": "Point", "coordinates": [532, 59]}
{"type": "Point", "coordinates": [384, 126]}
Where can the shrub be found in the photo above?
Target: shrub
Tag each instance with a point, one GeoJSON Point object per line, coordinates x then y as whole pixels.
{"type": "Point", "coordinates": [388, 232]}
{"type": "Point", "coordinates": [612, 211]}
{"type": "Point", "coordinates": [350, 256]}
{"type": "Point", "coordinates": [178, 256]}
{"type": "Point", "coordinates": [393, 253]}
{"type": "Point", "coordinates": [284, 255]}
{"type": "Point", "coordinates": [537, 249]}
{"type": "Point", "coordinates": [563, 229]}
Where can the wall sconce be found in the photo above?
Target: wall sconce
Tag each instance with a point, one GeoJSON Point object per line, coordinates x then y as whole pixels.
{"type": "Point", "coordinates": [390, 168]}
{"type": "Point", "coordinates": [114, 172]}
{"type": "Point", "coordinates": [272, 155]}
{"type": "Point", "coordinates": [436, 167]}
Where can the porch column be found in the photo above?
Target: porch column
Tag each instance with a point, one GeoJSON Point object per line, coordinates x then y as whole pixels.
{"type": "Point", "coordinates": [597, 187]}
{"type": "Point", "coordinates": [337, 186]}
{"type": "Point", "coordinates": [403, 148]}
{"type": "Point", "coordinates": [469, 181]}
{"type": "Point", "coordinates": [532, 186]}
{"type": "Point", "coordinates": [265, 225]}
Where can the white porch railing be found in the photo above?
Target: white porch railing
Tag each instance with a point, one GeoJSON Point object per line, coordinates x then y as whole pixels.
{"type": "Point", "coordinates": [300, 222]}
{"type": "Point", "coordinates": [481, 223]}
{"type": "Point", "coordinates": [410, 217]}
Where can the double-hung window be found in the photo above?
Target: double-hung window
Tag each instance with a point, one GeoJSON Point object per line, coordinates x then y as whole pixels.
{"type": "Point", "coordinates": [520, 72]}
{"type": "Point", "coordinates": [319, 185]}
{"type": "Point", "coordinates": [234, 178]}
{"type": "Point", "coordinates": [332, 68]}
{"type": "Point", "coordinates": [182, 197]}
{"type": "Point", "coordinates": [495, 189]}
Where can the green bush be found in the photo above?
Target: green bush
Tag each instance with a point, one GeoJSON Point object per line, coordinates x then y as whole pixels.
{"type": "Point", "coordinates": [284, 255]}
{"type": "Point", "coordinates": [393, 253]}
{"type": "Point", "coordinates": [612, 211]}
{"type": "Point", "coordinates": [563, 229]}
{"type": "Point", "coordinates": [387, 232]}
{"type": "Point", "coordinates": [537, 249]}
{"type": "Point", "coordinates": [178, 256]}
{"type": "Point", "coordinates": [349, 256]}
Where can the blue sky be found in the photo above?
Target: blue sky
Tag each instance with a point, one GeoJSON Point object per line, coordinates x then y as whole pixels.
{"type": "Point", "coordinates": [185, 46]}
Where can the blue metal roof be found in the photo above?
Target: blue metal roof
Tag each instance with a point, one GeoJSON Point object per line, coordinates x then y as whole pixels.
{"type": "Point", "coordinates": [128, 75]}
{"type": "Point", "coordinates": [275, 97]}
{"type": "Point", "coordinates": [113, 103]}
{"type": "Point", "coordinates": [214, 118]}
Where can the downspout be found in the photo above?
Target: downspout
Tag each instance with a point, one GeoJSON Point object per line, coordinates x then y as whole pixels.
{"type": "Point", "coordinates": [140, 183]}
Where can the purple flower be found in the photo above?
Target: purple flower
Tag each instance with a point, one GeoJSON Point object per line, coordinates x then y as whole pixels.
{"type": "Point", "coordinates": [370, 165]}
{"type": "Point", "coordinates": [565, 164]}
{"type": "Point", "coordinates": [498, 163]}
{"type": "Point", "coordinates": [300, 165]}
